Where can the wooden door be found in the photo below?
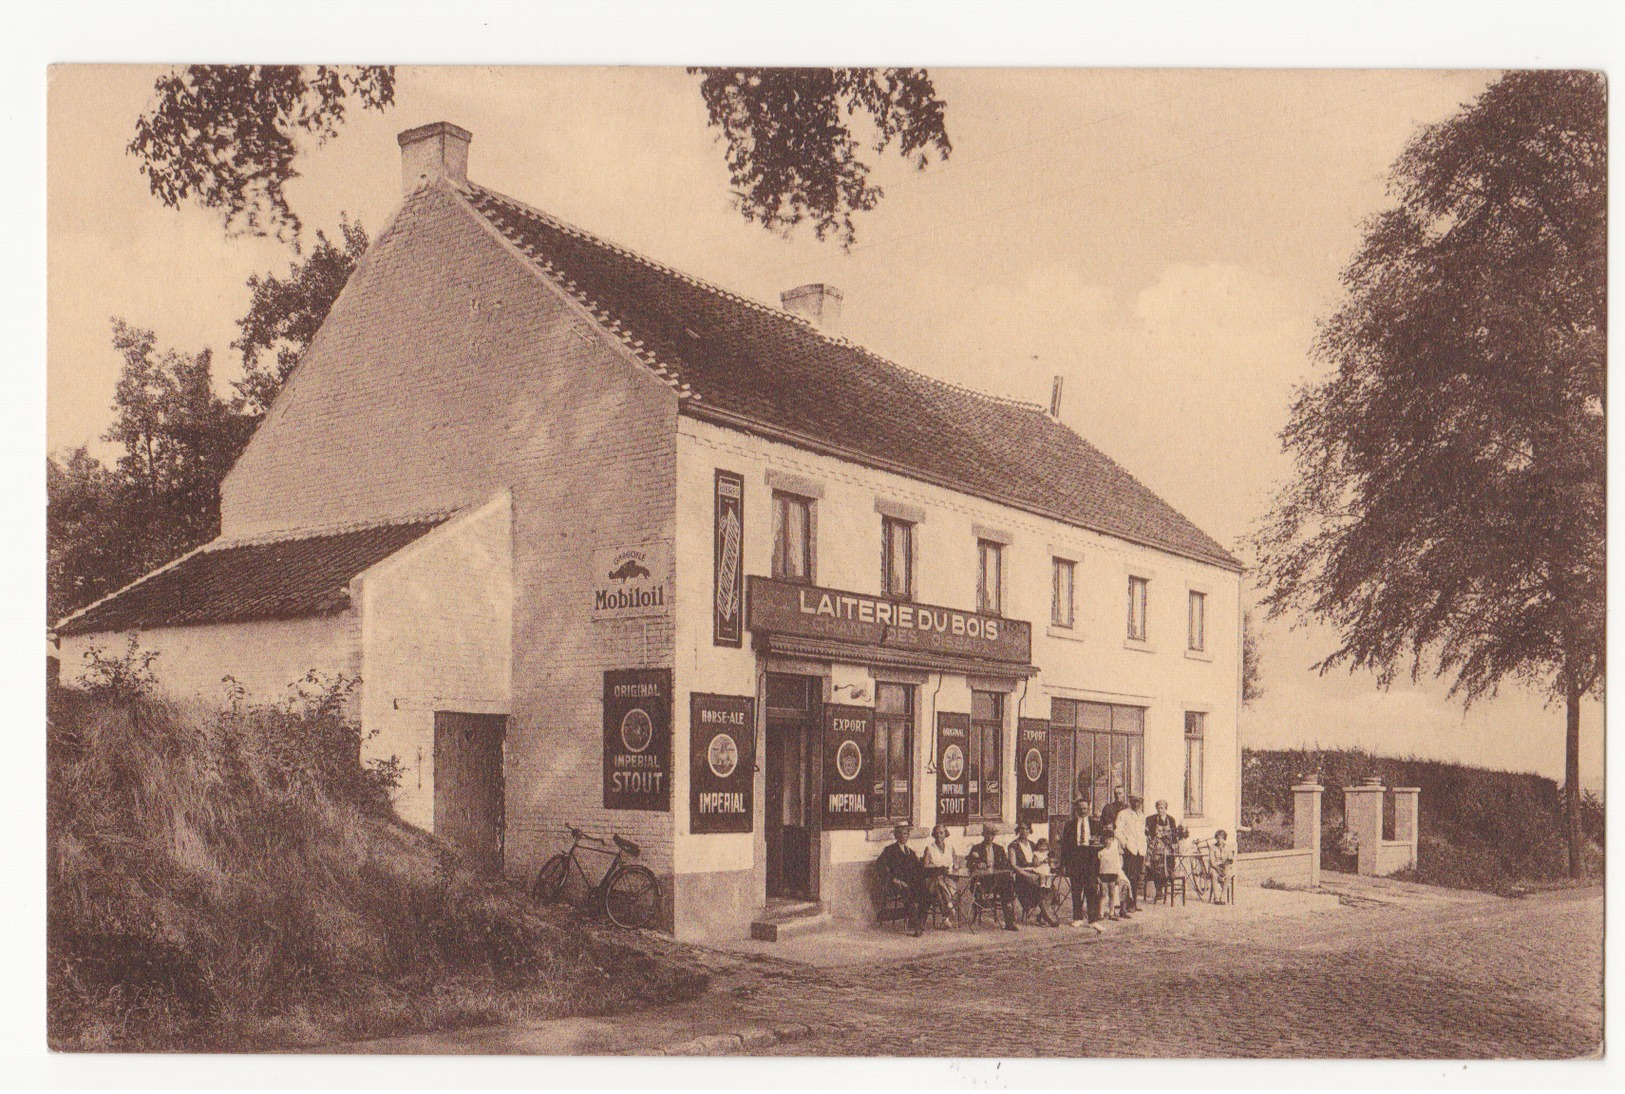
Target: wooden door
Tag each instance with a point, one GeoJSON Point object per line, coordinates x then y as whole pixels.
{"type": "Point", "coordinates": [468, 785]}
{"type": "Point", "coordinates": [790, 811]}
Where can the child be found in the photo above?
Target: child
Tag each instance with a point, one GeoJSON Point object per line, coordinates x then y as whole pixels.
{"type": "Point", "coordinates": [1219, 862]}
{"type": "Point", "coordinates": [1041, 864]}
{"type": "Point", "coordinates": [1111, 870]}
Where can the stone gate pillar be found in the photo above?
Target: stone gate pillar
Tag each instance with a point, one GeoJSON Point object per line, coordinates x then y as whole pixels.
{"type": "Point", "coordinates": [1407, 799]}
{"type": "Point", "coordinates": [1306, 824]}
{"type": "Point", "coordinates": [1362, 814]}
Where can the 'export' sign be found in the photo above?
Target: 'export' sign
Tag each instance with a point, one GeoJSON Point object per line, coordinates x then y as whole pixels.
{"type": "Point", "coordinates": [807, 611]}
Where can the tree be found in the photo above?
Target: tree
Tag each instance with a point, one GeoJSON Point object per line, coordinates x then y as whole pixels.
{"type": "Point", "coordinates": [792, 155]}
{"type": "Point", "coordinates": [1448, 503]}
{"type": "Point", "coordinates": [1252, 681]}
{"type": "Point", "coordinates": [284, 314]}
{"type": "Point", "coordinates": [225, 136]}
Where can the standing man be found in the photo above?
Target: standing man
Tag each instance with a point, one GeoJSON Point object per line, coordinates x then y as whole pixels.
{"type": "Point", "coordinates": [905, 877]}
{"type": "Point", "coordinates": [1108, 812]}
{"type": "Point", "coordinates": [1131, 834]}
{"type": "Point", "coordinates": [1079, 863]}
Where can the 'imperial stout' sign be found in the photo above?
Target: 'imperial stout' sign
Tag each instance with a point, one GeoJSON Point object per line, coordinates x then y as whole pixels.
{"type": "Point", "coordinates": [953, 766]}
{"type": "Point", "coordinates": [781, 607]}
{"type": "Point", "coordinates": [627, 582]}
{"type": "Point", "coordinates": [637, 739]}
{"type": "Point", "coordinates": [729, 610]}
{"type": "Point", "coordinates": [1032, 750]}
{"type": "Point", "coordinates": [849, 737]}
{"type": "Point", "coordinates": [722, 758]}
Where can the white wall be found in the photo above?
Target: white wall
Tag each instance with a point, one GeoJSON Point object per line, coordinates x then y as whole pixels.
{"type": "Point", "coordinates": [266, 658]}
{"type": "Point", "coordinates": [437, 627]}
{"type": "Point", "coordinates": [1092, 662]}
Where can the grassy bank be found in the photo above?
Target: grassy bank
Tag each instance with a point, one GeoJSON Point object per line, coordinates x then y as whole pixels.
{"type": "Point", "coordinates": [1497, 831]}
{"type": "Point", "coordinates": [235, 880]}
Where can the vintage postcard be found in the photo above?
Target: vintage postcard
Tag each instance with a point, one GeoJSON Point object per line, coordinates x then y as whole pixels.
{"type": "Point", "coordinates": [880, 562]}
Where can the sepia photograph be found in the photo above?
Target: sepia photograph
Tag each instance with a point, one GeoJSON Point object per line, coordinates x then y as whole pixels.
{"type": "Point", "coordinates": [960, 562]}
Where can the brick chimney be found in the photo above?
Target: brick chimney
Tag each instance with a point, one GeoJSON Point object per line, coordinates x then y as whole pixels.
{"type": "Point", "coordinates": [438, 150]}
{"type": "Point", "coordinates": [819, 304]}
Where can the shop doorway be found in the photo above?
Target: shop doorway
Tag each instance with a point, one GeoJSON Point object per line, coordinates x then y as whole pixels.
{"type": "Point", "coordinates": [791, 828]}
{"type": "Point", "coordinates": [468, 785]}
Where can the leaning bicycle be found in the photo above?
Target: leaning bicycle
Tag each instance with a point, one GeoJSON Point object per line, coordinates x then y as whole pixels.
{"type": "Point", "coordinates": [629, 894]}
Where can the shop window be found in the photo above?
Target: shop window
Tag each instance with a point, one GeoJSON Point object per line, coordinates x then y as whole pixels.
{"type": "Point", "coordinates": [989, 577]}
{"type": "Point", "coordinates": [1195, 761]}
{"type": "Point", "coordinates": [792, 538]}
{"type": "Point", "coordinates": [986, 786]}
{"type": "Point", "coordinates": [1138, 594]}
{"type": "Point", "coordinates": [1101, 745]}
{"type": "Point", "coordinates": [894, 753]}
{"type": "Point", "coordinates": [1061, 608]}
{"type": "Point", "coordinates": [897, 558]}
{"type": "Point", "coordinates": [1198, 622]}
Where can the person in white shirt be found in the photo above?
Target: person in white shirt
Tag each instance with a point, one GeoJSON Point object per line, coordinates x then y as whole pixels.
{"type": "Point", "coordinates": [938, 860]}
{"type": "Point", "coordinates": [1111, 872]}
{"type": "Point", "coordinates": [1130, 828]}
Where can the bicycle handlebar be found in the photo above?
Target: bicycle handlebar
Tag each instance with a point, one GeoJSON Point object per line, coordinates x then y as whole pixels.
{"type": "Point", "coordinates": [579, 836]}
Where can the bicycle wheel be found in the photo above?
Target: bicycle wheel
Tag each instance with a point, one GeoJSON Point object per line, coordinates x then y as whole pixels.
{"type": "Point", "coordinates": [1202, 885]}
{"type": "Point", "coordinates": [549, 884]}
{"type": "Point", "coordinates": [632, 897]}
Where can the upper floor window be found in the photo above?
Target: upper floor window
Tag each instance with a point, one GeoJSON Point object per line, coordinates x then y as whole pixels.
{"type": "Point", "coordinates": [989, 577]}
{"type": "Point", "coordinates": [897, 558]}
{"type": "Point", "coordinates": [792, 538]}
{"type": "Point", "coordinates": [1198, 622]}
{"type": "Point", "coordinates": [1060, 609]}
{"type": "Point", "coordinates": [1138, 590]}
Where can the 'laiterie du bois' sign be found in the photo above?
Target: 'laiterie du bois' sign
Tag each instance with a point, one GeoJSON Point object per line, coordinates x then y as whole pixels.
{"type": "Point", "coordinates": [953, 766]}
{"type": "Point", "coordinates": [631, 581]}
{"type": "Point", "coordinates": [722, 760]}
{"type": "Point", "coordinates": [849, 737]}
{"type": "Point", "coordinates": [807, 611]}
{"type": "Point", "coordinates": [637, 739]}
{"type": "Point", "coordinates": [1032, 783]}
{"type": "Point", "coordinates": [728, 613]}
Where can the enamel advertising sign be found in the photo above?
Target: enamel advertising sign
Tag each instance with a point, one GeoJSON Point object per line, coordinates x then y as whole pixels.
{"type": "Point", "coordinates": [637, 739]}
{"type": "Point", "coordinates": [722, 760]}
{"type": "Point", "coordinates": [849, 735]}
{"type": "Point", "coordinates": [631, 581]}
{"type": "Point", "coordinates": [953, 767]}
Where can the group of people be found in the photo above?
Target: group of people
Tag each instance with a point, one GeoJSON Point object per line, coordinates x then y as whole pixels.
{"type": "Point", "coordinates": [1110, 860]}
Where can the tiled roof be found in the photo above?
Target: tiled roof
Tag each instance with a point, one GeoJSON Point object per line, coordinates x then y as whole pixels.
{"type": "Point", "coordinates": [745, 364]}
{"type": "Point", "coordinates": [235, 583]}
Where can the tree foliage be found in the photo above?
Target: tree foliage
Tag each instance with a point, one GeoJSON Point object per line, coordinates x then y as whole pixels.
{"type": "Point", "coordinates": [792, 153]}
{"type": "Point", "coordinates": [226, 136]}
{"type": "Point", "coordinates": [1252, 669]}
{"type": "Point", "coordinates": [284, 314]}
{"type": "Point", "coordinates": [1449, 499]}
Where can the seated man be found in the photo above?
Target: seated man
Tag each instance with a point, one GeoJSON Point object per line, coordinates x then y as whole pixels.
{"type": "Point", "coordinates": [1220, 859]}
{"type": "Point", "coordinates": [1029, 883]}
{"type": "Point", "coordinates": [989, 858]}
{"type": "Point", "coordinates": [900, 871]}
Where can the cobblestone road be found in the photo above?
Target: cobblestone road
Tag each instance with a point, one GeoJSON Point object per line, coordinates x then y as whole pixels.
{"type": "Point", "coordinates": [1483, 978]}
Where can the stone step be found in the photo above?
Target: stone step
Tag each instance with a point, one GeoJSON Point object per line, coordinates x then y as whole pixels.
{"type": "Point", "coordinates": [775, 926]}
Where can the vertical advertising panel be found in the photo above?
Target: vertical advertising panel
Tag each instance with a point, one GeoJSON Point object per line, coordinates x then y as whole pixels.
{"type": "Point", "coordinates": [953, 767]}
{"type": "Point", "coordinates": [729, 574]}
{"type": "Point", "coordinates": [637, 739]}
{"type": "Point", "coordinates": [722, 757]}
{"type": "Point", "coordinates": [849, 734]}
{"type": "Point", "coordinates": [1032, 770]}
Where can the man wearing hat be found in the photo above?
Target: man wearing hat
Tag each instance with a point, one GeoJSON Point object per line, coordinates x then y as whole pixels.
{"type": "Point", "coordinates": [990, 859]}
{"type": "Point", "coordinates": [1079, 861]}
{"type": "Point", "coordinates": [1131, 834]}
{"type": "Point", "coordinates": [902, 872]}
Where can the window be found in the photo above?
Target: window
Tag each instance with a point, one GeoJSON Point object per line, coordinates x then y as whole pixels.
{"type": "Point", "coordinates": [1137, 593]}
{"type": "Point", "coordinates": [1060, 605]}
{"type": "Point", "coordinates": [986, 787]}
{"type": "Point", "coordinates": [792, 538]}
{"type": "Point", "coordinates": [897, 558]}
{"type": "Point", "coordinates": [1099, 747]}
{"type": "Point", "coordinates": [1198, 622]}
{"type": "Point", "coordinates": [989, 577]}
{"type": "Point", "coordinates": [894, 752]}
{"type": "Point", "coordinates": [1195, 761]}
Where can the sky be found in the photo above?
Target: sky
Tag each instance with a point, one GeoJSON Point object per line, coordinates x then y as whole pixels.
{"type": "Point", "coordinates": [1165, 240]}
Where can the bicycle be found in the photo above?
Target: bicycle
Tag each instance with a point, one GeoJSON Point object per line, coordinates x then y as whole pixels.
{"type": "Point", "coordinates": [628, 893]}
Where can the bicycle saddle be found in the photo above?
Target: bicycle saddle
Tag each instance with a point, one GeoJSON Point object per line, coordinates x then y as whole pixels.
{"type": "Point", "coordinates": [627, 845]}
